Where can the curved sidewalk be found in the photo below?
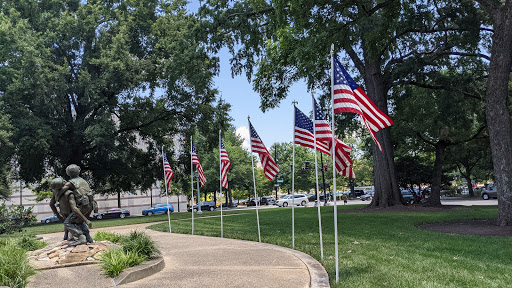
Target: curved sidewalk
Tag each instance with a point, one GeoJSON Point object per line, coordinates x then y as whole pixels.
{"type": "Point", "coordinates": [192, 261]}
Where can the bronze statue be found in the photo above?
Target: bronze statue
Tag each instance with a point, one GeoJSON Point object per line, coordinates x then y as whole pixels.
{"type": "Point", "coordinates": [76, 202]}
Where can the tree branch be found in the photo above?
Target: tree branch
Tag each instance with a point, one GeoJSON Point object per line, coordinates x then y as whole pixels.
{"type": "Point", "coordinates": [357, 61]}
{"type": "Point", "coordinates": [491, 6]}
{"type": "Point", "coordinates": [437, 87]}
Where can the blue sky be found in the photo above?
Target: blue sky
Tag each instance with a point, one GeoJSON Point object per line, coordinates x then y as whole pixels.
{"type": "Point", "coordinates": [273, 126]}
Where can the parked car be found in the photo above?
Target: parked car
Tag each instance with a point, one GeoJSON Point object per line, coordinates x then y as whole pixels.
{"type": "Point", "coordinates": [367, 196]}
{"type": "Point", "coordinates": [311, 197]}
{"type": "Point", "coordinates": [205, 206]}
{"type": "Point", "coordinates": [112, 213]}
{"type": "Point", "coordinates": [50, 219]}
{"type": "Point", "coordinates": [357, 193]}
{"type": "Point", "coordinates": [157, 209]}
{"type": "Point", "coordinates": [224, 204]}
{"type": "Point", "coordinates": [252, 202]}
{"type": "Point", "coordinates": [407, 196]}
{"type": "Point", "coordinates": [299, 200]}
{"type": "Point", "coordinates": [489, 191]}
{"type": "Point", "coordinates": [268, 200]}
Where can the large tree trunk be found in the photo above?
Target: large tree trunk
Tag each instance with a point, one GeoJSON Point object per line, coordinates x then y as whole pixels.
{"type": "Point", "coordinates": [437, 174]}
{"type": "Point", "coordinates": [498, 114]}
{"type": "Point", "coordinates": [387, 192]}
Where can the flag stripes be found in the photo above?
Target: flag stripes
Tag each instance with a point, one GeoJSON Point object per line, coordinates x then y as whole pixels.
{"type": "Point", "coordinates": [269, 165]}
{"type": "Point", "coordinates": [225, 164]}
{"type": "Point", "coordinates": [167, 173]}
{"type": "Point", "coordinates": [195, 160]}
{"type": "Point", "coordinates": [348, 97]}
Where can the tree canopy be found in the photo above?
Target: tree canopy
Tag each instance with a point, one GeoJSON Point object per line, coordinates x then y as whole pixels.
{"type": "Point", "coordinates": [102, 84]}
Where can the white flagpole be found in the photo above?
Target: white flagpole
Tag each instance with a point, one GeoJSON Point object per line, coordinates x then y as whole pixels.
{"type": "Point", "coordinates": [334, 169]}
{"type": "Point", "coordinates": [254, 181]}
{"type": "Point", "coordinates": [166, 192]}
{"type": "Point", "coordinates": [317, 188]}
{"type": "Point", "coordinates": [220, 188]}
{"type": "Point", "coordinates": [293, 178]}
{"type": "Point", "coordinates": [192, 185]}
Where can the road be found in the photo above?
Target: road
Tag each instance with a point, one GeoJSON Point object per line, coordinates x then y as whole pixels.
{"type": "Point", "coordinates": [444, 201]}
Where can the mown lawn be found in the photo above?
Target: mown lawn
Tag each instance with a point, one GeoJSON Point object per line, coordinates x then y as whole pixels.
{"type": "Point", "coordinates": [381, 249]}
{"type": "Point", "coordinates": [39, 228]}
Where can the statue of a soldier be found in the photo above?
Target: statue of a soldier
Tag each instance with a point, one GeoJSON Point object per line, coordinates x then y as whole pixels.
{"type": "Point", "coordinates": [76, 203]}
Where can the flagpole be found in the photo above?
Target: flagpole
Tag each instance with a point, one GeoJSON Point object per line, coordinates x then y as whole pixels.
{"type": "Point", "coordinates": [293, 178]}
{"type": "Point", "coordinates": [192, 185]}
{"type": "Point", "coordinates": [317, 188]}
{"type": "Point", "coordinates": [254, 181]}
{"type": "Point", "coordinates": [220, 188]}
{"type": "Point", "coordinates": [334, 168]}
{"type": "Point", "coordinates": [166, 192]}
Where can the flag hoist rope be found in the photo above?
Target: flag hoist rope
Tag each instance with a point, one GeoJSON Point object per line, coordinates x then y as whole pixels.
{"type": "Point", "coordinates": [254, 181]}
{"type": "Point", "coordinates": [220, 187]}
{"type": "Point", "coordinates": [192, 185]}
{"type": "Point", "coordinates": [334, 169]}
{"type": "Point", "coordinates": [167, 192]}
{"type": "Point", "coordinates": [317, 188]}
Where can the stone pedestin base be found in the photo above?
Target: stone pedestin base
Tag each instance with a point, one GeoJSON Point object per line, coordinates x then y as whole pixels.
{"type": "Point", "coordinates": [62, 254]}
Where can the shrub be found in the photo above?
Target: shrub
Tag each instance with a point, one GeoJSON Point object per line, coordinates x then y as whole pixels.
{"type": "Point", "coordinates": [108, 236]}
{"type": "Point", "coordinates": [30, 243]}
{"type": "Point", "coordinates": [14, 266]}
{"type": "Point", "coordinates": [115, 260]}
{"type": "Point", "coordinates": [140, 243]}
{"type": "Point", "coordinates": [14, 218]}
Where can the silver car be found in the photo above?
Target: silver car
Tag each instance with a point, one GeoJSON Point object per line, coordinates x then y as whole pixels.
{"type": "Point", "coordinates": [299, 200]}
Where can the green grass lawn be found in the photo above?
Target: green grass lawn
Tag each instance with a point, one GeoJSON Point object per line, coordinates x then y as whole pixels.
{"type": "Point", "coordinates": [379, 249]}
{"type": "Point", "coordinates": [39, 228]}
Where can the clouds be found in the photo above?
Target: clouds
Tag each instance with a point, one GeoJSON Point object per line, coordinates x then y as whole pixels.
{"type": "Point", "coordinates": [243, 132]}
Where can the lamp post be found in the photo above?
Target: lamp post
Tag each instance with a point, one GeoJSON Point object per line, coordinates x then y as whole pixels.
{"type": "Point", "coordinates": [199, 212]}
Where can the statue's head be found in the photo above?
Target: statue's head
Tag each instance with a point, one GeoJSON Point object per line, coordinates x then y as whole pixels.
{"type": "Point", "coordinates": [73, 170]}
{"type": "Point", "coordinates": [57, 184]}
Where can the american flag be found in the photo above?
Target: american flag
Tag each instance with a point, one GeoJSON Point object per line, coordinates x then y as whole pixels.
{"type": "Point", "coordinates": [225, 164]}
{"type": "Point", "coordinates": [269, 166]}
{"type": "Point", "coordinates": [195, 160]}
{"type": "Point", "coordinates": [304, 133]}
{"type": "Point", "coordinates": [167, 173]}
{"type": "Point", "coordinates": [324, 135]}
{"type": "Point", "coordinates": [349, 97]}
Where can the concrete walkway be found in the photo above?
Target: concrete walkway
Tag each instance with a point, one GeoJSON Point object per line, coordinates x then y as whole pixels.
{"type": "Point", "coordinates": [199, 261]}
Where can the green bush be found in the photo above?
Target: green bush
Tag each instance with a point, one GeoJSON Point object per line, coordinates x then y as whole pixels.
{"type": "Point", "coordinates": [14, 218]}
{"type": "Point", "coordinates": [140, 243]}
{"type": "Point", "coordinates": [14, 266]}
{"type": "Point", "coordinates": [115, 260]}
{"type": "Point", "coordinates": [108, 236]}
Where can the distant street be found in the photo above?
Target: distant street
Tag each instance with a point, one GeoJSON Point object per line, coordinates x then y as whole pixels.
{"type": "Point", "coordinates": [452, 201]}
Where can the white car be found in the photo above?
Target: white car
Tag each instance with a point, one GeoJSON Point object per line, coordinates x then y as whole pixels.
{"type": "Point", "coordinates": [300, 200]}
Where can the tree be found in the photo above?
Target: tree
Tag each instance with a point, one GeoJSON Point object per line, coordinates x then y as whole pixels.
{"type": "Point", "coordinates": [439, 119]}
{"type": "Point", "coordinates": [388, 42]}
{"type": "Point", "coordinates": [81, 81]}
{"type": "Point", "coordinates": [5, 151]}
{"type": "Point", "coordinates": [469, 156]}
{"type": "Point", "coordinates": [497, 97]}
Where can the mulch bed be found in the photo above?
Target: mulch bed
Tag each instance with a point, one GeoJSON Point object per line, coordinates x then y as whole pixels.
{"type": "Point", "coordinates": [480, 227]}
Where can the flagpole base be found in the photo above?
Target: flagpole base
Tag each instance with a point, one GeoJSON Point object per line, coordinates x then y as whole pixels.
{"type": "Point", "coordinates": [199, 212]}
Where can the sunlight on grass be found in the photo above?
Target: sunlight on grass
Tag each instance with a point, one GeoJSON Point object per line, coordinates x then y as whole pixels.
{"type": "Point", "coordinates": [382, 249]}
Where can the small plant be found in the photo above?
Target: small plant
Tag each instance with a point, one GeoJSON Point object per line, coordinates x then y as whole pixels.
{"type": "Point", "coordinates": [30, 243]}
{"type": "Point", "coordinates": [140, 243]}
{"type": "Point", "coordinates": [135, 249]}
{"type": "Point", "coordinates": [115, 260]}
{"type": "Point", "coordinates": [108, 236]}
{"type": "Point", "coordinates": [14, 266]}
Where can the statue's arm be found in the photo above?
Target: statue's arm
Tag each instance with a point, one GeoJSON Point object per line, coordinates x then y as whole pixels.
{"type": "Point", "coordinates": [74, 208]}
{"type": "Point", "coordinates": [54, 209]}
